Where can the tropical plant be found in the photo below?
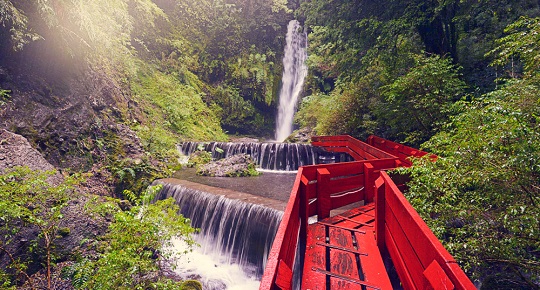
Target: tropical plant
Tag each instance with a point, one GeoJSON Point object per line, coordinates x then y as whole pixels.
{"type": "Point", "coordinates": [418, 103]}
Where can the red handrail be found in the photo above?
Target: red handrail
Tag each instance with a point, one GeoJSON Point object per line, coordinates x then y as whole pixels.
{"type": "Point", "coordinates": [356, 148]}
{"type": "Point", "coordinates": [420, 259]}
{"type": "Point", "coordinates": [404, 153]}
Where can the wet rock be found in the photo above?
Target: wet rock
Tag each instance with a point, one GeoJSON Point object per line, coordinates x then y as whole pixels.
{"type": "Point", "coordinates": [302, 136]}
{"type": "Point", "coordinates": [124, 205]}
{"type": "Point", "coordinates": [244, 139]}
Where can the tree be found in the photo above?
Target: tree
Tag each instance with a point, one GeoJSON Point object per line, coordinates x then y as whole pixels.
{"type": "Point", "coordinates": [521, 43]}
{"type": "Point", "coordinates": [16, 20]}
{"type": "Point", "coordinates": [418, 103]}
{"type": "Point", "coordinates": [28, 201]}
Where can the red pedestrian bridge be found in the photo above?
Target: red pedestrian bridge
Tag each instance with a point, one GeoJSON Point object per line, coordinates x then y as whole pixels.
{"type": "Point", "coordinates": [348, 250]}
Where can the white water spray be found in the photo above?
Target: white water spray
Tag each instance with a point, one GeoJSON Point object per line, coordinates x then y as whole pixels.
{"type": "Point", "coordinates": [294, 73]}
{"type": "Point", "coordinates": [235, 238]}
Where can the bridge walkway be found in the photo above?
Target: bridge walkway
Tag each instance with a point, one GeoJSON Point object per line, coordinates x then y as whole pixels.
{"type": "Point", "coordinates": [342, 253]}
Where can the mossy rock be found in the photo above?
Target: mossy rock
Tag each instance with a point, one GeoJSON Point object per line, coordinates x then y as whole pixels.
{"type": "Point", "coordinates": [240, 165]}
{"type": "Point", "coordinates": [191, 285]}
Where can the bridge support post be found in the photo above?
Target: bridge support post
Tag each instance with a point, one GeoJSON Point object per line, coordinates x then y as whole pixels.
{"type": "Point", "coordinates": [324, 204]}
{"type": "Point", "coordinates": [379, 212]}
{"type": "Point", "coordinates": [369, 182]}
{"type": "Point", "coordinates": [304, 207]}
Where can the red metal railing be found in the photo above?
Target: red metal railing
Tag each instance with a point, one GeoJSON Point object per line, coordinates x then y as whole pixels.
{"type": "Point", "coordinates": [316, 191]}
{"type": "Point", "coordinates": [319, 189]}
{"type": "Point", "coordinates": [356, 148]}
{"type": "Point", "coordinates": [404, 153]}
{"type": "Point", "coordinates": [420, 259]}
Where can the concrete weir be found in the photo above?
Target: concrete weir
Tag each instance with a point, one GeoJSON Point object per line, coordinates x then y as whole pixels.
{"type": "Point", "coordinates": [227, 193]}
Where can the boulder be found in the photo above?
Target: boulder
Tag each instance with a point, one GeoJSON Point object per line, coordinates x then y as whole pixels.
{"type": "Point", "coordinates": [15, 150]}
{"type": "Point", "coordinates": [301, 136]}
{"type": "Point", "coordinates": [233, 166]}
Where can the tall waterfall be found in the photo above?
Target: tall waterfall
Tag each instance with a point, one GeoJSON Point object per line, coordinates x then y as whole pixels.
{"type": "Point", "coordinates": [234, 231]}
{"type": "Point", "coordinates": [294, 73]}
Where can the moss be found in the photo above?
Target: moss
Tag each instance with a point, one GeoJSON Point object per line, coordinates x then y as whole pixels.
{"type": "Point", "coordinates": [191, 285]}
{"type": "Point", "coordinates": [164, 99]}
{"type": "Point", "coordinates": [63, 232]}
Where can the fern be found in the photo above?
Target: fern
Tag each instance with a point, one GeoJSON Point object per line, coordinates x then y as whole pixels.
{"type": "Point", "coordinates": [131, 196]}
{"type": "Point", "coordinates": [79, 274]}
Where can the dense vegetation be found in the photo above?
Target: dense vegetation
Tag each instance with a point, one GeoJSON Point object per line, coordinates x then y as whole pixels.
{"type": "Point", "coordinates": [460, 79]}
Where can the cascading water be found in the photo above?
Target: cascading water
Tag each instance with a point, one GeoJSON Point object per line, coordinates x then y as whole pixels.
{"type": "Point", "coordinates": [294, 73]}
{"type": "Point", "coordinates": [268, 156]}
{"type": "Point", "coordinates": [234, 233]}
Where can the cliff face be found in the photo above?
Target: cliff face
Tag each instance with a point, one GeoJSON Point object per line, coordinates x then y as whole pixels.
{"type": "Point", "coordinates": [62, 118]}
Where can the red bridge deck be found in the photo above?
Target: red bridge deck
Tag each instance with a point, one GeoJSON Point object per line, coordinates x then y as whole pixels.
{"type": "Point", "coordinates": [342, 253]}
{"type": "Point", "coordinates": [346, 251]}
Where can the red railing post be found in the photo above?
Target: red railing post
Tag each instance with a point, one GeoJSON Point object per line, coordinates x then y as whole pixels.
{"type": "Point", "coordinates": [324, 204]}
{"type": "Point", "coordinates": [379, 212]}
{"type": "Point", "coordinates": [304, 206]}
{"type": "Point", "coordinates": [369, 185]}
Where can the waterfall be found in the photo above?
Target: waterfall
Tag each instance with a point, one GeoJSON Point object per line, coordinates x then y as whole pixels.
{"type": "Point", "coordinates": [269, 156]}
{"type": "Point", "coordinates": [294, 73]}
{"type": "Point", "coordinates": [237, 232]}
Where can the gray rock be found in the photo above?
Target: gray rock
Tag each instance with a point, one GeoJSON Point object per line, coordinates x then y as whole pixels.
{"type": "Point", "coordinates": [302, 136]}
{"type": "Point", "coordinates": [233, 166]}
{"type": "Point", "coordinates": [15, 150]}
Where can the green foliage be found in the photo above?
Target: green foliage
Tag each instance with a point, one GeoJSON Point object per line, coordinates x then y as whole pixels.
{"type": "Point", "coordinates": [137, 242]}
{"type": "Point", "coordinates": [377, 44]}
{"type": "Point", "coordinates": [16, 19]}
{"type": "Point", "coordinates": [418, 103]}
{"type": "Point", "coordinates": [100, 31]}
{"type": "Point", "coordinates": [28, 200]}
{"type": "Point", "coordinates": [132, 176]}
{"type": "Point", "coordinates": [179, 107]}
{"type": "Point", "coordinates": [101, 206]}
{"type": "Point", "coordinates": [199, 157]}
{"type": "Point", "coordinates": [238, 114]}
{"type": "Point", "coordinates": [348, 109]}
{"type": "Point", "coordinates": [483, 197]}
{"type": "Point", "coordinates": [250, 171]}
{"type": "Point", "coordinates": [522, 43]}
{"type": "Point", "coordinates": [254, 73]}
{"type": "Point", "coordinates": [4, 96]}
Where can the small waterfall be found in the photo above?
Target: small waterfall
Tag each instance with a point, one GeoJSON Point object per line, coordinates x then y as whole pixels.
{"type": "Point", "coordinates": [294, 73]}
{"type": "Point", "coordinates": [240, 233]}
{"type": "Point", "coordinates": [269, 156]}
